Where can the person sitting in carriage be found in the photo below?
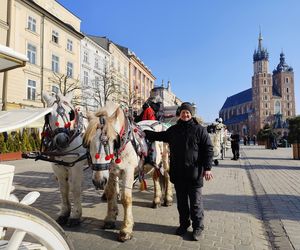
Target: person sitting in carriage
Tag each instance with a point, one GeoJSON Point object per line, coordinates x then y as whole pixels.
{"type": "Point", "coordinates": [151, 109]}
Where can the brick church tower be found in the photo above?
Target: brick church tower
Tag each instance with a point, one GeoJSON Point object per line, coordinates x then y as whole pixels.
{"type": "Point", "coordinates": [261, 87]}
{"type": "Point", "coordinates": [270, 100]}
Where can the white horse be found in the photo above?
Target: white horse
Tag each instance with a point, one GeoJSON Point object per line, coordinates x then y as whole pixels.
{"type": "Point", "coordinates": [113, 146]}
{"type": "Point", "coordinates": [62, 145]}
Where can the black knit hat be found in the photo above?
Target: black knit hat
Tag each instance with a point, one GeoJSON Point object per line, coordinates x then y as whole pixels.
{"type": "Point", "coordinates": [186, 106]}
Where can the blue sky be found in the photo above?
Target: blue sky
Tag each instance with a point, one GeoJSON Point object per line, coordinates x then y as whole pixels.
{"type": "Point", "coordinates": [204, 47]}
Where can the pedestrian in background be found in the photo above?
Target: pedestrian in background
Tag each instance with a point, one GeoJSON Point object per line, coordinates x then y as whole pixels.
{"type": "Point", "coordinates": [254, 140]}
{"type": "Point", "coordinates": [235, 146]}
{"type": "Point", "coordinates": [191, 153]}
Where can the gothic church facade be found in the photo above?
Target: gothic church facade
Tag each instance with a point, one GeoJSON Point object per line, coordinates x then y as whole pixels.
{"type": "Point", "coordinates": [271, 100]}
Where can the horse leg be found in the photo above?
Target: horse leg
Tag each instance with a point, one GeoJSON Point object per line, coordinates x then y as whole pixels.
{"type": "Point", "coordinates": [62, 176]}
{"type": "Point", "coordinates": [168, 200]}
{"type": "Point", "coordinates": [157, 189]}
{"type": "Point", "coordinates": [112, 206]}
{"type": "Point", "coordinates": [126, 198]}
{"type": "Point", "coordinates": [76, 174]}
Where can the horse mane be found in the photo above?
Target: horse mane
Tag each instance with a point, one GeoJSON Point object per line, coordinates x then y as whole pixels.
{"type": "Point", "coordinates": [109, 111]}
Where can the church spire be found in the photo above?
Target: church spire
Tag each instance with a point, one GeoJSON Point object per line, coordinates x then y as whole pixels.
{"type": "Point", "coordinates": [261, 53]}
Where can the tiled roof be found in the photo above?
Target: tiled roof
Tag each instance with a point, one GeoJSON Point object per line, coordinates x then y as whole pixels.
{"type": "Point", "coordinates": [236, 119]}
{"type": "Point", "coordinates": [239, 98]}
{"type": "Point", "coordinates": [102, 41]}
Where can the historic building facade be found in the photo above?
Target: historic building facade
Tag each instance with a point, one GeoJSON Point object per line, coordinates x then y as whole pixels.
{"type": "Point", "coordinates": [271, 100]}
{"type": "Point", "coordinates": [50, 36]}
{"type": "Point", "coordinates": [95, 65]}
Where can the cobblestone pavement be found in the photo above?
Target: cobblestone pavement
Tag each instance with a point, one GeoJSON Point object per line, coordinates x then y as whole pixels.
{"type": "Point", "coordinates": [252, 203]}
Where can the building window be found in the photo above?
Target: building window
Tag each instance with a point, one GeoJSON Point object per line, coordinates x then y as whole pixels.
{"type": "Point", "coordinates": [55, 36]}
{"type": "Point", "coordinates": [70, 45]}
{"type": "Point", "coordinates": [265, 82]}
{"type": "Point", "coordinates": [55, 90]}
{"type": "Point", "coordinates": [287, 90]}
{"type": "Point", "coordinates": [70, 69]}
{"type": "Point", "coordinates": [289, 113]}
{"type": "Point", "coordinates": [31, 53]}
{"type": "Point", "coordinates": [31, 88]}
{"type": "Point", "coordinates": [266, 105]}
{"type": "Point", "coordinates": [55, 63]}
{"type": "Point", "coordinates": [85, 78]}
{"type": "Point", "coordinates": [286, 80]}
{"type": "Point", "coordinates": [31, 24]}
{"type": "Point", "coordinates": [288, 105]}
{"type": "Point", "coordinates": [265, 97]}
{"type": "Point", "coordinates": [266, 90]}
{"type": "Point", "coordinates": [97, 81]}
{"type": "Point", "coordinates": [96, 63]}
{"type": "Point", "coordinates": [85, 57]}
{"type": "Point", "coordinates": [277, 107]}
{"type": "Point", "coordinates": [288, 97]}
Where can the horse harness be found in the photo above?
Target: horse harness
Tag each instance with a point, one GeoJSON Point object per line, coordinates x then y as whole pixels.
{"type": "Point", "coordinates": [128, 133]}
{"type": "Point", "coordinates": [54, 142]}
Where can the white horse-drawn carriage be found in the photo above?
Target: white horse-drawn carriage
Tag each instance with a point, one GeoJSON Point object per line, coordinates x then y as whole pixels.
{"type": "Point", "coordinates": [218, 135]}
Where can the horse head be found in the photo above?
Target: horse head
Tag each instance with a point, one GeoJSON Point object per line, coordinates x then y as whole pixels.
{"type": "Point", "coordinates": [102, 137]}
{"type": "Point", "coordinates": [62, 125]}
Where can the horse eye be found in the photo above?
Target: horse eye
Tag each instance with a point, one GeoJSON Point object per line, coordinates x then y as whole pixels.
{"type": "Point", "coordinates": [72, 115]}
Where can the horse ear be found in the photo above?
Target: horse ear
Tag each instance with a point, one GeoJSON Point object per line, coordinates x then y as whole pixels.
{"type": "Point", "coordinates": [49, 99]}
{"type": "Point", "coordinates": [116, 113]}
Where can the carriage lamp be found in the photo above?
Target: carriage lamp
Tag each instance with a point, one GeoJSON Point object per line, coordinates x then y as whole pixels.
{"type": "Point", "coordinates": [97, 156]}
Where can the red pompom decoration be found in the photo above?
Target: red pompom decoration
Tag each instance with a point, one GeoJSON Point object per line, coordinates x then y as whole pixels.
{"type": "Point", "coordinates": [97, 156]}
{"type": "Point", "coordinates": [68, 124]}
{"type": "Point", "coordinates": [118, 160]}
{"type": "Point", "coordinates": [111, 156]}
{"type": "Point", "coordinates": [135, 130]}
{"type": "Point", "coordinates": [56, 124]}
{"type": "Point", "coordinates": [107, 157]}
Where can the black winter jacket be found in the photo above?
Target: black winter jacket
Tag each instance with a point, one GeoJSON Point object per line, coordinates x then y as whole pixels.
{"type": "Point", "coordinates": [191, 151]}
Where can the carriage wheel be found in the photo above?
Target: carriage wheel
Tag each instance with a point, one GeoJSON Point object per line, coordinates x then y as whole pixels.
{"type": "Point", "coordinates": [22, 219]}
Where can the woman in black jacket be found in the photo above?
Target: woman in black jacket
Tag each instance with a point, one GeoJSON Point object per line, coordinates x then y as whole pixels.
{"type": "Point", "coordinates": [191, 153]}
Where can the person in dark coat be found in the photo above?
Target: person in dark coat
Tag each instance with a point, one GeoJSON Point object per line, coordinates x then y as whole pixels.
{"type": "Point", "coordinates": [235, 146]}
{"type": "Point", "coordinates": [191, 153]}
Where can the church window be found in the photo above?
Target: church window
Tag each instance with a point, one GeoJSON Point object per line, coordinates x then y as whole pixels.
{"type": "Point", "coordinates": [266, 90]}
{"type": "Point", "coordinates": [288, 105]}
{"type": "Point", "coordinates": [288, 97]}
{"type": "Point", "coordinates": [287, 90]}
{"type": "Point", "coordinates": [264, 74]}
{"type": "Point", "coordinates": [266, 105]}
{"type": "Point", "coordinates": [265, 97]}
{"type": "Point", "coordinates": [286, 80]}
{"type": "Point", "coordinates": [265, 82]}
{"type": "Point", "coordinates": [277, 107]}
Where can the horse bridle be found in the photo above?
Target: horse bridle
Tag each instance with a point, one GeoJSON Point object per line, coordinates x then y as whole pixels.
{"type": "Point", "coordinates": [123, 137]}
{"type": "Point", "coordinates": [55, 141]}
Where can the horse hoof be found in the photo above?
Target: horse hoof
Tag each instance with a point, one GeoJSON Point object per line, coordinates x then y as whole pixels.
{"type": "Point", "coordinates": [109, 225]}
{"type": "Point", "coordinates": [103, 197]}
{"type": "Point", "coordinates": [73, 222]}
{"type": "Point", "coordinates": [168, 203]}
{"type": "Point", "coordinates": [124, 236]}
{"type": "Point", "coordinates": [155, 205]}
{"type": "Point", "coordinates": [62, 220]}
